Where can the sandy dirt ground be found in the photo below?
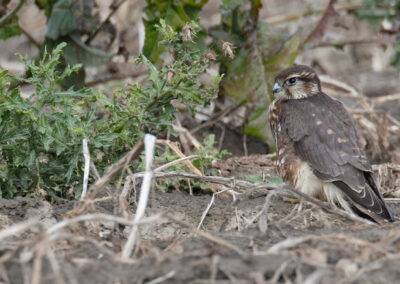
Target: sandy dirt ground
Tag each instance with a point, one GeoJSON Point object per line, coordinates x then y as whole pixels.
{"type": "Point", "coordinates": [261, 237]}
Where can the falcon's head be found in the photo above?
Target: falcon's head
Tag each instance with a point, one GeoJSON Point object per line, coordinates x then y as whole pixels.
{"type": "Point", "coordinates": [296, 82]}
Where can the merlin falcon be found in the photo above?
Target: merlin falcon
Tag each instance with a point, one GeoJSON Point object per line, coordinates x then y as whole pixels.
{"type": "Point", "coordinates": [317, 146]}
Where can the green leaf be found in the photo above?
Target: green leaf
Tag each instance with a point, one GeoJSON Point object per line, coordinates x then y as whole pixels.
{"type": "Point", "coordinates": [231, 4]}
{"type": "Point", "coordinates": [275, 180]}
{"type": "Point", "coordinates": [10, 29]}
{"type": "Point", "coordinates": [42, 147]}
{"type": "Point", "coordinates": [47, 5]}
{"type": "Point", "coordinates": [61, 21]}
{"type": "Point", "coordinates": [77, 52]}
{"type": "Point", "coordinates": [395, 60]}
{"type": "Point", "coordinates": [255, 179]}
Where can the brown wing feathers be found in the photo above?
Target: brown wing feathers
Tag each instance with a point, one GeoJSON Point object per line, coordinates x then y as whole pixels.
{"type": "Point", "coordinates": [324, 135]}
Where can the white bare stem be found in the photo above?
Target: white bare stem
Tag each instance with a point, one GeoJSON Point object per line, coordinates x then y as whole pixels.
{"type": "Point", "coordinates": [86, 155]}
{"type": "Point", "coordinates": [149, 142]}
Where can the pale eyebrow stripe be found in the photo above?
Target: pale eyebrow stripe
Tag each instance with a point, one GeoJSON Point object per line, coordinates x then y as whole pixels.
{"type": "Point", "coordinates": [303, 76]}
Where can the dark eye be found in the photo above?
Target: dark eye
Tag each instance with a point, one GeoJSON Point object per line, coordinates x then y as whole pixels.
{"type": "Point", "coordinates": [291, 81]}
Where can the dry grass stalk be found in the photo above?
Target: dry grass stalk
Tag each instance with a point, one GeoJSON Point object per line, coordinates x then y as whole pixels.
{"type": "Point", "coordinates": [55, 266]}
{"type": "Point", "coordinates": [149, 142]}
{"type": "Point", "coordinates": [3, 274]}
{"type": "Point", "coordinates": [86, 155]}
{"type": "Point", "coordinates": [314, 277]}
{"type": "Point", "coordinates": [173, 163]}
{"type": "Point", "coordinates": [100, 217]}
{"type": "Point", "coordinates": [174, 148]}
{"type": "Point", "coordinates": [327, 208]}
{"type": "Point", "coordinates": [289, 243]}
{"type": "Point", "coordinates": [229, 182]}
{"type": "Point", "coordinates": [114, 169]}
{"type": "Point", "coordinates": [188, 136]}
{"type": "Point", "coordinates": [278, 273]}
{"type": "Point", "coordinates": [162, 278]}
{"type": "Point", "coordinates": [327, 80]}
{"type": "Point", "coordinates": [83, 239]}
{"type": "Point", "coordinates": [218, 117]}
{"type": "Point", "coordinates": [207, 236]}
{"type": "Point", "coordinates": [338, 239]}
{"type": "Point", "coordinates": [205, 212]}
{"type": "Point", "coordinates": [18, 228]}
{"type": "Point", "coordinates": [37, 263]}
{"type": "Point", "coordinates": [263, 223]}
{"type": "Point", "coordinates": [385, 98]}
{"type": "Point", "coordinates": [279, 19]}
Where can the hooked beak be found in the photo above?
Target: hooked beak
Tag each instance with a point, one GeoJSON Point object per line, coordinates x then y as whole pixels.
{"type": "Point", "coordinates": [277, 88]}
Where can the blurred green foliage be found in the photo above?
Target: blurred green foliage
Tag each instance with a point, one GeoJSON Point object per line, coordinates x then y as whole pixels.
{"type": "Point", "coordinates": [69, 21]}
{"type": "Point", "coordinates": [376, 11]}
{"type": "Point", "coordinates": [9, 26]}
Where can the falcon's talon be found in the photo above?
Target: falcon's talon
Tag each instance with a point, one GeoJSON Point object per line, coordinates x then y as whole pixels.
{"type": "Point", "coordinates": [318, 151]}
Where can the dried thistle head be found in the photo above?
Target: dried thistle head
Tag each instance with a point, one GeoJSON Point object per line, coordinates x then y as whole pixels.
{"type": "Point", "coordinates": [188, 33]}
{"type": "Point", "coordinates": [390, 27]}
{"type": "Point", "coordinates": [170, 75]}
{"type": "Point", "coordinates": [209, 55]}
{"type": "Point", "coordinates": [227, 49]}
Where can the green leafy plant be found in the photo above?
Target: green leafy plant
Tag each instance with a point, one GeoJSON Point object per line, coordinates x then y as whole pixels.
{"type": "Point", "coordinates": [41, 136]}
{"type": "Point", "coordinates": [150, 103]}
{"type": "Point", "coordinates": [248, 76]}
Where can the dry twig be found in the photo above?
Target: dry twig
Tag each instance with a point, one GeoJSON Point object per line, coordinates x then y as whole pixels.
{"type": "Point", "coordinates": [100, 217]}
{"type": "Point", "coordinates": [86, 155]}
{"type": "Point", "coordinates": [207, 235]}
{"type": "Point", "coordinates": [203, 216]}
{"type": "Point", "coordinates": [149, 142]}
{"type": "Point", "coordinates": [174, 148]}
{"type": "Point", "coordinates": [114, 169]}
